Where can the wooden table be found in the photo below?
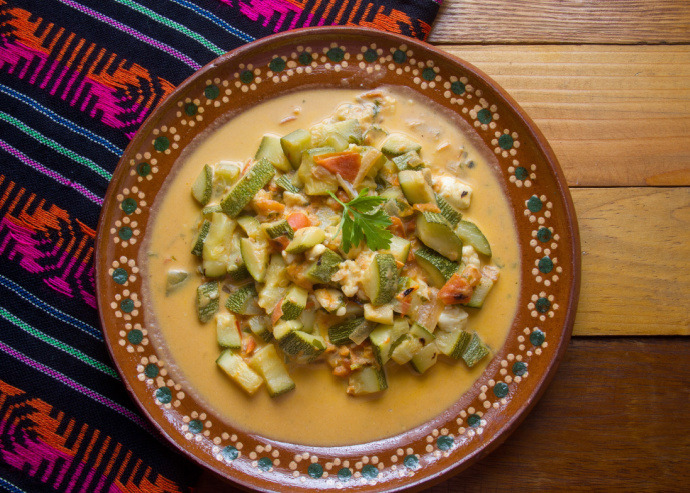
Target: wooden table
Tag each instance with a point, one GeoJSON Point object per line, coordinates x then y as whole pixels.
{"type": "Point", "coordinates": [608, 82]}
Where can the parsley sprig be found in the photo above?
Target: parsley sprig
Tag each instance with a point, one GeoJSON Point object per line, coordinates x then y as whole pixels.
{"type": "Point", "coordinates": [363, 219]}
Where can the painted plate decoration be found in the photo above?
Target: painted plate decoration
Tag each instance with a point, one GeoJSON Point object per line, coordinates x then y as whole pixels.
{"type": "Point", "coordinates": [538, 197]}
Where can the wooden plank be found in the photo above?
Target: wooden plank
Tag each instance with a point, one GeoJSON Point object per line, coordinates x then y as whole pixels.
{"type": "Point", "coordinates": [614, 418]}
{"type": "Point", "coordinates": [564, 21]}
{"type": "Point", "coordinates": [635, 261]}
{"type": "Point", "coordinates": [615, 115]}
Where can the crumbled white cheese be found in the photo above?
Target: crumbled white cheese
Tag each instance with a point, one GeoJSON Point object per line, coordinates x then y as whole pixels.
{"type": "Point", "coordinates": [452, 318]}
{"type": "Point", "coordinates": [470, 256]}
{"type": "Point", "coordinates": [348, 276]}
{"type": "Point", "coordinates": [315, 252]}
{"type": "Point", "coordinates": [456, 193]}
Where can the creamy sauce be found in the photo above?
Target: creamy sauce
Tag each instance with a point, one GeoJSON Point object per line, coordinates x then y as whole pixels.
{"type": "Point", "coordinates": [319, 412]}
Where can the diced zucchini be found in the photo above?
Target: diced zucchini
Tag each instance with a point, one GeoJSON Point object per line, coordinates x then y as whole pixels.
{"type": "Point", "coordinates": [261, 327]}
{"type": "Point", "coordinates": [207, 300]}
{"type": "Point", "coordinates": [337, 141]}
{"type": "Point", "coordinates": [424, 336]}
{"type": "Point", "coordinates": [210, 209]}
{"type": "Point", "coordinates": [293, 303]}
{"type": "Point", "coordinates": [294, 144]}
{"type": "Point", "coordinates": [252, 227]}
{"type": "Point", "coordinates": [284, 182]}
{"type": "Point", "coordinates": [372, 161]}
{"type": "Point", "coordinates": [313, 185]}
{"type": "Point", "coordinates": [452, 343]}
{"type": "Point", "coordinates": [339, 334]}
{"type": "Point", "coordinates": [368, 380]}
{"type": "Point", "coordinates": [276, 283]}
{"type": "Point", "coordinates": [400, 248]}
{"type": "Point", "coordinates": [202, 189]}
{"type": "Point", "coordinates": [239, 300]}
{"type": "Point", "coordinates": [308, 320]}
{"type": "Point", "coordinates": [330, 299]}
{"type": "Point", "coordinates": [175, 279]}
{"type": "Point", "coordinates": [225, 174]}
{"type": "Point", "coordinates": [449, 212]}
{"type": "Point", "coordinates": [278, 228]}
{"type": "Point", "coordinates": [380, 314]}
{"type": "Point", "coordinates": [408, 160]}
{"type": "Point", "coordinates": [240, 272]}
{"type": "Point", "coordinates": [397, 204]}
{"type": "Point", "coordinates": [475, 351]}
{"type": "Point", "coordinates": [481, 291]}
{"type": "Point", "coordinates": [452, 317]}
{"type": "Point", "coordinates": [436, 233]}
{"type": "Point", "coordinates": [469, 233]}
{"type": "Point", "coordinates": [255, 257]}
{"type": "Point", "coordinates": [323, 268]}
{"type": "Point", "coordinates": [236, 368]}
{"type": "Point", "coordinates": [425, 358]}
{"type": "Point", "coordinates": [381, 280]}
{"type": "Point", "coordinates": [302, 346]}
{"type": "Point", "coordinates": [438, 268]}
{"type": "Point", "coordinates": [270, 148]}
{"type": "Point", "coordinates": [306, 238]}
{"type": "Point", "coordinates": [216, 248]}
{"type": "Point", "coordinates": [227, 333]}
{"type": "Point", "coordinates": [383, 336]}
{"type": "Point", "coordinates": [405, 348]}
{"type": "Point", "coordinates": [244, 190]}
{"type": "Point", "coordinates": [415, 187]}
{"type": "Point", "coordinates": [397, 144]}
{"type": "Point", "coordinates": [270, 366]}
{"type": "Point", "coordinates": [374, 135]}
{"type": "Point", "coordinates": [350, 130]}
{"type": "Point", "coordinates": [283, 328]}
{"type": "Point", "coordinates": [198, 248]}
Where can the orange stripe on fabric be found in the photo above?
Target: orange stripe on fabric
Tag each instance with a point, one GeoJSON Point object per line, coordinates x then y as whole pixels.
{"type": "Point", "coordinates": [56, 39]}
{"type": "Point", "coordinates": [65, 45]}
{"type": "Point", "coordinates": [354, 11]}
{"type": "Point", "coordinates": [85, 229]}
{"type": "Point", "coordinates": [330, 5]}
{"type": "Point", "coordinates": [343, 7]}
{"type": "Point", "coordinates": [85, 57]}
{"type": "Point", "coordinates": [8, 191]}
{"type": "Point", "coordinates": [16, 199]}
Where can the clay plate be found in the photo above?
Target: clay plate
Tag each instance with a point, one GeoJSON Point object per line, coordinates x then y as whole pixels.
{"type": "Point", "coordinates": [546, 224]}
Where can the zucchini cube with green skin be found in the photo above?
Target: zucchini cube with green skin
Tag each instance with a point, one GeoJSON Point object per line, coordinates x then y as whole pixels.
{"type": "Point", "coordinates": [216, 249]}
{"type": "Point", "coordinates": [381, 280]}
{"type": "Point", "coordinates": [400, 249]}
{"type": "Point", "coordinates": [449, 212]}
{"type": "Point", "coordinates": [415, 187]}
{"type": "Point", "coordinates": [247, 187]}
{"type": "Point", "coordinates": [294, 144]}
{"type": "Point", "coordinates": [255, 256]}
{"type": "Point", "coordinates": [397, 144]}
{"type": "Point", "coordinates": [260, 326]}
{"type": "Point", "coordinates": [350, 130]}
{"type": "Point", "coordinates": [239, 371]}
{"type": "Point", "coordinates": [278, 228]}
{"type": "Point", "coordinates": [405, 348]}
{"type": "Point", "coordinates": [438, 268]}
{"type": "Point", "coordinates": [469, 233]}
{"type": "Point", "coordinates": [368, 380]}
{"type": "Point", "coordinates": [481, 291]}
{"type": "Point", "coordinates": [425, 358]}
{"type": "Point", "coordinates": [293, 303]}
{"type": "Point", "coordinates": [339, 334]}
{"type": "Point", "coordinates": [271, 149]}
{"type": "Point", "coordinates": [175, 279]}
{"type": "Point", "coordinates": [284, 182]}
{"type": "Point", "coordinates": [202, 188]}
{"type": "Point", "coordinates": [306, 238]}
{"type": "Point", "coordinates": [452, 343]}
{"type": "Point", "coordinates": [227, 332]}
{"type": "Point", "coordinates": [436, 232]}
{"type": "Point", "coordinates": [380, 314]}
{"type": "Point", "coordinates": [323, 268]}
{"type": "Point", "coordinates": [239, 300]}
{"type": "Point", "coordinates": [207, 300]}
{"type": "Point", "coordinates": [383, 337]}
{"type": "Point", "coordinates": [270, 366]}
{"type": "Point", "coordinates": [475, 351]}
{"type": "Point", "coordinates": [408, 160]}
{"type": "Point", "coordinates": [198, 248]}
{"type": "Point", "coordinates": [302, 346]}
{"type": "Point", "coordinates": [283, 328]}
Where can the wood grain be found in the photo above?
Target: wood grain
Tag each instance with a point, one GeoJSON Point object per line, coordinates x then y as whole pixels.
{"type": "Point", "coordinates": [614, 418]}
{"type": "Point", "coordinates": [614, 115]}
{"type": "Point", "coordinates": [565, 21]}
{"type": "Point", "coordinates": [635, 261]}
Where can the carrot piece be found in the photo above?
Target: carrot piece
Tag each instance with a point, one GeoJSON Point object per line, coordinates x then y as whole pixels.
{"type": "Point", "coordinates": [277, 312]}
{"type": "Point", "coordinates": [298, 220]}
{"type": "Point", "coordinates": [345, 163]}
{"type": "Point", "coordinates": [250, 345]}
{"type": "Point", "coordinates": [456, 290]}
{"type": "Point", "coordinates": [397, 228]}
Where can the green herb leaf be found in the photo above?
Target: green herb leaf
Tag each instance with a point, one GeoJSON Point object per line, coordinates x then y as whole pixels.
{"type": "Point", "coordinates": [364, 220]}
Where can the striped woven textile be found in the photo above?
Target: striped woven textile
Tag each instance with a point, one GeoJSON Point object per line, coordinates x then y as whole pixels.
{"type": "Point", "coordinates": [77, 78]}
